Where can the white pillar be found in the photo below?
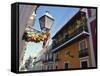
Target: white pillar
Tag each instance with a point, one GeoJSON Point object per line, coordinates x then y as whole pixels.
{"type": "Point", "coordinates": [90, 38]}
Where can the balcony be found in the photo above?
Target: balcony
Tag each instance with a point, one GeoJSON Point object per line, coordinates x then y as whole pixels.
{"type": "Point", "coordinates": [83, 53]}
{"type": "Point", "coordinates": [69, 37]}
{"type": "Point", "coordinates": [47, 60]}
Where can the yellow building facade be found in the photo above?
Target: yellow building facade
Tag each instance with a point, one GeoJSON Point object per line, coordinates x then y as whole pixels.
{"type": "Point", "coordinates": [69, 56]}
{"type": "Point", "coordinates": [71, 46]}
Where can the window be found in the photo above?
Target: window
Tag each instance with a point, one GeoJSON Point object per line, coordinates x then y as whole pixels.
{"type": "Point", "coordinates": [82, 45]}
{"type": "Point", "coordinates": [84, 64]}
{"type": "Point", "coordinates": [56, 56]}
{"type": "Point", "coordinates": [51, 56]}
{"type": "Point", "coordinates": [60, 37]}
{"type": "Point", "coordinates": [65, 35]}
{"type": "Point", "coordinates": [66, 66]}
{"type": "Point", "coordinates": [50, 67]}
{"type": "Point", "coordinates": [54, 41]}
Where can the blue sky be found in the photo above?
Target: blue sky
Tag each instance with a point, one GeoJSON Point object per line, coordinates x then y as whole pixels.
{"type": "Point", "coordinates": [61, 16]}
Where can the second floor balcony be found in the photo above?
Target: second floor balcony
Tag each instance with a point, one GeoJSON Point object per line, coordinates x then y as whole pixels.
{"type": "Point", "coordinates": [81, 31]}
{"type": "Point", "coordinates": [45, 60]}
{"type": "Point", "coordinates": [83, 53]}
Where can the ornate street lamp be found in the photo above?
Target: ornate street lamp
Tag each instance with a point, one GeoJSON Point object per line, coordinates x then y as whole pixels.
{"type": "Point", "coordinates": [46, 22]}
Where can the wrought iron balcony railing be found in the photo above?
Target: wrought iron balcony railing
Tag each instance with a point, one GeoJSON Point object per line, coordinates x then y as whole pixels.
{"type": "Point", "coordinates": [83, 53]}
{"type": "Point", "coordinates": [75, 33]}
{"type": "Point", "coordinates": [48, 60]}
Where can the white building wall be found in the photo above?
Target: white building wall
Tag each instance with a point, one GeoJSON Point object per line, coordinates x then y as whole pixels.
{"type": "Point", "coordinates": [25, 11]}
